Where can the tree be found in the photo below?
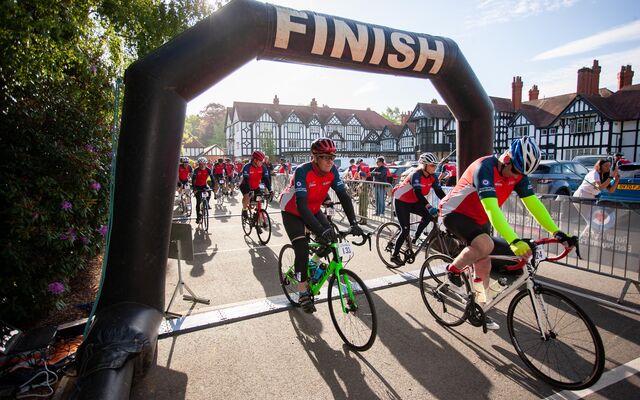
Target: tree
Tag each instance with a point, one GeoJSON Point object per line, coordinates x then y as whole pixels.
{"type": "Point", "coordinates": [392, 115]}
{"type": "Point", "coordinates": [207, 126]}
{"type": "Point", "coordinates": [58, 62]}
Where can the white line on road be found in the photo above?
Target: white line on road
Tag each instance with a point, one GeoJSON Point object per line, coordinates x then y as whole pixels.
{"type": "Point", "coordinates": [608, 378]}
{"type": "Point", "coordinates": [265, 306]}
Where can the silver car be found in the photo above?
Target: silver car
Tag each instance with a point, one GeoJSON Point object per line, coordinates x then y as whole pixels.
{"type": "Point", "coordinates": [557, 177]}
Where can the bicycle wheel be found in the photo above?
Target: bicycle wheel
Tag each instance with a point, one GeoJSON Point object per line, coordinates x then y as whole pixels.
{"type": "Point", "coordinates": [446, 306]}
{"type": "Point", "coordinates": [357, 324]}
{"type": "Point", "coordinates": [386, 240]}
{"type": "Point", "coordinates": [263, 226]}
{"type": "Point", "coordinates": [247, 223]}
{"type": "Point", "coordinates": [572, 355]}
{"type": "Point", "coordinates": [286, 274]}
{"type": "Point", "coordinates": [220, 196]}
{"type": "Point", "coordinates": [205, 214]}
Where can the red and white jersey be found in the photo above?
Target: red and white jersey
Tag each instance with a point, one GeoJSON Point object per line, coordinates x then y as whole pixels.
{"type": "Point", "coordinates": [310, 183]}
{"type": "Point", "coordinates": [482, 180]}
{"type": "Point", "coordinates": [405, 191]}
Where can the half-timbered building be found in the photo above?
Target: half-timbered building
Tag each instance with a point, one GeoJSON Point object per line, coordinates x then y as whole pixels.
{"type": "Point", "coordinates": [287, 131]}
{"type": "Point", "coordinates": [435, 129]}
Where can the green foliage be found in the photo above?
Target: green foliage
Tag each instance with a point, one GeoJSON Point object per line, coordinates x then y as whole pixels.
{"type": "Point", "coordinates": [207, 126]}
{"type": "Point", "coordinates": [392, 115]}
{"type": "Point", "coordinates": [58, 62]}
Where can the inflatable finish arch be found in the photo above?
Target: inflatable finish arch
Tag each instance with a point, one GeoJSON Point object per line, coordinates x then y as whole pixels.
{"type": "Point", "coordinates": [158, 88]}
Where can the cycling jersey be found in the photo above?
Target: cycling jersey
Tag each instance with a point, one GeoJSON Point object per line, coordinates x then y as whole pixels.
{"type": "Point", "coordinates": [239, 167]}
{"type": "Point", "coordinates": [184, 172]}
{"type": "Point", "coordinates": [354, 170]}
{"type": "Point", "coordinates": [228, 168]}
{"type": "Point", "coordinates": [415, 182]}
{"type": "Point", "coordinates": [451, 170]}
{"type": "Point", "coordinates": [200, 176]}
{"type": "Point", "coordinates": [309, 182]}
{"type": "Point", "coordinates": [218, 169]}
{"type": "Point", "coordinates": [483, 180]}
{"type": "Point", "coordinates": [252, 176]}
{"type": "Point", "coordinates": [364, 167]}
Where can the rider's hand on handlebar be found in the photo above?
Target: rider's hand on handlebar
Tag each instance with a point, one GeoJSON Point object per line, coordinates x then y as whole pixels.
{"type": "Point", "coordinates": [327, 237]}
{"type": "Point", "coordinates": [565, 240]}
{"type": "Point", "coordinates": [521, 248]}
{"type": "Point", "coordinates": [433, 211]}
{"type": "Point", "coordinates": [356, 230]}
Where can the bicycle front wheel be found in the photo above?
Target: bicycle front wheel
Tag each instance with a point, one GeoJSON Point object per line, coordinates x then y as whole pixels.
{"type": "Point", "coordinates": [571, 354]}
{"type": "Point", "coordinates": [448, 307]}
{"type": "Point", "coordinates": [263, 226]}
{"type": "Point", "coordinates": [386, 240]}
{"type": "Point", "coordinates": [247, 223]}
{"type": "Point", "coordinates": [286, 274]}
{"type": "Point", "coordinates": [205, 214]}
{"type": "Point", "coordinates": [352, 310]}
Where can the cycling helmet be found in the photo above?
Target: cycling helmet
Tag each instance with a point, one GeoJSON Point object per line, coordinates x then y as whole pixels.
{"type": "Point", "coordinates": [202, 160]}
{"type": "Point", "coordinates": [184, 160]}
{"type": "Point", "coordinates": [258, 155]}
{"type": "Point", "coordinates": [525, 154]}
{"type": "Point", "coordinates": [323, 145]}
{"type": "Point", "coordinates": [428, 158]}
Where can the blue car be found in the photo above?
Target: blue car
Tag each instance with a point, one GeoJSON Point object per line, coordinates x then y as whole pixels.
{"type": "Point", "coordinates": [628, 189]}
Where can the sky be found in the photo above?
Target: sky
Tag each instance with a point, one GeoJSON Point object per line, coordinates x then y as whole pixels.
{"type": "Point", "coordinates": [543, 41]}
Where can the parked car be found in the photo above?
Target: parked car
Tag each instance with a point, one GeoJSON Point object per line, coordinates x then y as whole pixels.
{"type": "Point", "coordinates": [589, 161]}
{"type": "Point", "coordinates": [557, 177]}
{"type": "Point", "coordinates": [397, 171]}
{"type": "Point", "coordinates": [628, 189]}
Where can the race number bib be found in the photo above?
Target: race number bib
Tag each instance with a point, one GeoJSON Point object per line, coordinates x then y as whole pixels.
{"type": "Point", "coordinates": [541, 254]}
{"type": "Point", "coordinates": [345, 250]}
{"type": "Point", "coordinates": [330, 211]}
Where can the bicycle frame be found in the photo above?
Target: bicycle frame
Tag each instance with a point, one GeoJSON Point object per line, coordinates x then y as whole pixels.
{"type": "Point", "coordinates": [527, 278]}
{"type": "Point", "coordinates": [335, 267]}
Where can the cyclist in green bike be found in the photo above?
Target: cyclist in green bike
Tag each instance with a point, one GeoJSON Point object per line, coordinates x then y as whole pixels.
{"type": "Point", "coordinates": [473, 207]}
{"type": "Point", "coordinates": [300, 204]}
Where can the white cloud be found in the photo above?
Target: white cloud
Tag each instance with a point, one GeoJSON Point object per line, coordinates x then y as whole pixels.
{"type": "Point", "coordinates": [624, 33]}
{"type": "Point", "coordinates": [490, 12]}
{"type": "Point", "coordinates": [564, 79]}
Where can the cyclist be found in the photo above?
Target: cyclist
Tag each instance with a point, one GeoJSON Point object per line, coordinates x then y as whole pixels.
{"type": "Point", "coordinates": [300, 204]}
{"type": "Point", "coordinates": [409, 198]}
{"type": "Point", "coordinates": [184, 173]}
{"type": "Point", "coordinates": [253, 173]}
{"type": "Point", "coordinates": [218, 175]}
{"type": "Point", "coordinates": [473, 206]}
{"type": "Point", "coordinates": [229, 173]}
{"type": "Point", "coordinates": [199, 183]}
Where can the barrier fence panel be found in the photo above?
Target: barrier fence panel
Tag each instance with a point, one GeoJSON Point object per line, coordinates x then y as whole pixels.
{"type": "Point", "coordinates": [609, 233]}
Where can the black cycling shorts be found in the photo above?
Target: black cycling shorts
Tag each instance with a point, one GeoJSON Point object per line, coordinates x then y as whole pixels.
{"type": "Point", "coordinates": [464, 228]}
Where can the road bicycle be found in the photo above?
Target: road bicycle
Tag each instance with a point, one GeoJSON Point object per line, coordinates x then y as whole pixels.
{"type": "Point", "coordinates": [220, 192]}
{"type": "Point", "coordinates": [350, 304]}
{"type": "Point", "coordinates": [257, 217]}
{"type": "Point", "coordinates": [438, 240]}
{"type": "Point", "coordinates": [184, 204]}
{"type": "Point", "coordinates": [552, 335]}
{"type": "Point", "coordinates": [204, 207]}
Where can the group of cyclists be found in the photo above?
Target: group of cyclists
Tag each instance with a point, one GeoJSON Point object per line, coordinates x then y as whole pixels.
{"type": "Point", "coordinates": [468, 211]}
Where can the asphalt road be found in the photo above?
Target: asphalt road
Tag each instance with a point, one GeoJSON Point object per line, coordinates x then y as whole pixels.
{"type": "Point", "coordinates": [291, 355]}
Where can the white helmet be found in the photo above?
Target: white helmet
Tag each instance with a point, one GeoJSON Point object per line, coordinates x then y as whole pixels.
{"type": "Point", "coordinates": [428, 158]}
{"type": "Point", "coordinates": [525, 154]}
{"type": "Point", "coordinates": [202, 160]}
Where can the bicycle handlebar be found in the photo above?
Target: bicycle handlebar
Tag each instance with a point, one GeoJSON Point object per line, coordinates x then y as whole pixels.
{"type": "Point", "coordinates": [566, 251]}
{"type": "Point", "coordinates": [366, 237]}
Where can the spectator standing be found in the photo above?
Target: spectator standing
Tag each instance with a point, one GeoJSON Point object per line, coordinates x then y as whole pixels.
{"type": "Point", "coordinates": [449, 174]}
{"type": "Point", "coordinates": [363, 199]}
{"type": "Point", "coordinates": [618, 160]}
{"type": "Point", "coordinates": [379, 173]}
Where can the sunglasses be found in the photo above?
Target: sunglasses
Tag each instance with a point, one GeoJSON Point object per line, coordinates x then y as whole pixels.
{"type": "Point", "coordinates": [326, 158]}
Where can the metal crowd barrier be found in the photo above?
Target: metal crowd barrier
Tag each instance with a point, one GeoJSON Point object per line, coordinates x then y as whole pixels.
{"type": "Point", "coordinates": [609, 234]}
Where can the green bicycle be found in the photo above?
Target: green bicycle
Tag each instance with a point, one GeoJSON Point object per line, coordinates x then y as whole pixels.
{"type": "Point", "coordinates": [350, 304]}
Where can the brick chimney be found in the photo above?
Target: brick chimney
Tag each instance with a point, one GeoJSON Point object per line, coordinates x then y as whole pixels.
{"type": "Point", "coordinates": [314, 103]}
{"type": "Point", "coordinates": [404, 118]}
{"type": "Point", "coordinates": [584, 81]}
{"type": "Point", "coordinates": [434, 101]}
{"type": "Point", "coordinates": [625, 77]}
{"type": "Point", "coordinates": [276, 100]}
{"type": "Point", "coordinates": [595, 78]}
{"type": "Point", "coordinates": [516, 92]}
{"type": "Point", "coordinates": [533, 93]}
